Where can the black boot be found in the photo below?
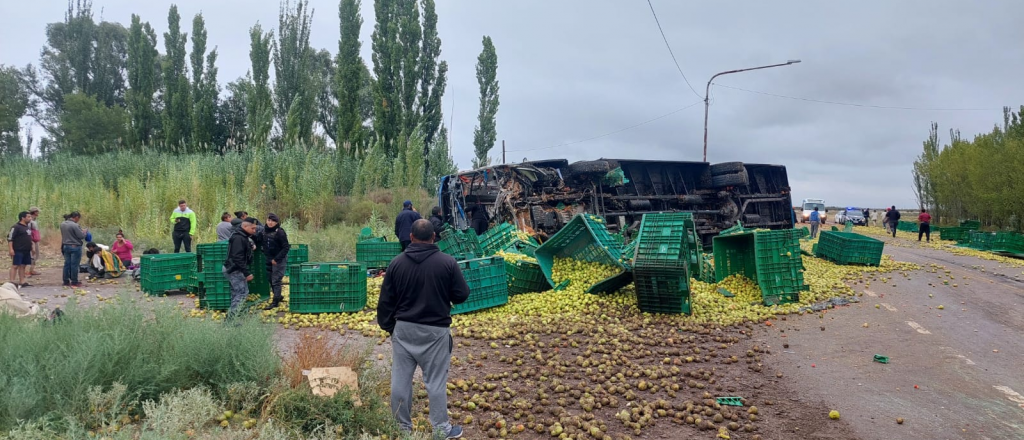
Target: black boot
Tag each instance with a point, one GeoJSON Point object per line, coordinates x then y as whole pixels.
{"type": "Point", "coordinates": [273, 304]}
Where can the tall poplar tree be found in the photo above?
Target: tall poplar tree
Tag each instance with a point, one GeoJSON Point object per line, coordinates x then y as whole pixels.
{"type": "Point", "coordinates": [294, 97]}
{"type": "Point", "coordinates": [177, 96]}
{"type": "Point", "coordinates": [260, 107]}
{"type": "Point", "coordinates": [204, 87]}
{"type": "Point", "coordinates": [143, 79]}
{"type": "Point", "coordinates": [349, 73]}
{"type": "Point", "coordinates": [486, 131]}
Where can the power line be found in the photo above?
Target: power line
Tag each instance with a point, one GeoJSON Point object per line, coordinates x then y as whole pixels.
{"type": "Point", "coordinates": [613, 132]}
{"type": "Point", "coordinates": [670, 49]}
{"type": "Point", "coordinates": [851, 104]}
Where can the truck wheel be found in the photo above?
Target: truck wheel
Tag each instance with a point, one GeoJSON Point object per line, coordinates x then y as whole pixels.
{"type": "Point", "coordinates": [590, 167]}
{"type": "Point", "coordinates": [721, 169]}
{"type": "Point", "coordinates": [737, 179]}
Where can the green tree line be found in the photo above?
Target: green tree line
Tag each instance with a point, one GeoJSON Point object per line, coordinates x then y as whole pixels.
{"type": "Point", "coordinates": [101, 87]}
{"type": "Point", "coordinates": [980, 178]}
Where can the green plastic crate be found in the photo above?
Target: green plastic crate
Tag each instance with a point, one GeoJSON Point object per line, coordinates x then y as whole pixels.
{"type": "Point", "coordinates": [298, 254]}
{"type": "Point", "coordinates": [523, 247]}
{"type": "Point", "coordinates": [525, 277]}
{"type": "Point", "coordinates": [326, 287]}
{"type": "Point", "coordinates": [585, 238]}
{"type": "Point", "coordinates": [488, 284]}
{"type": "Point", "coordinates": [906, 226]}
{"type": "Point", "coordinates": [454, 241]}
{"type": "Point", "coordinates": [771, 258]}
{"type": "Point", "coordinates": [167, 272]}
{"type": "Point", "coordinates": [210, 257]}
{"type": "Point", "coordinates": [377, 255]}
{"type": "Point", "coordinates": [662, 290]}
{"type": "Point", "coordinates": [497, 238]}
{"type": "Point", "coordinates": [850, 248]}
{"type": "Point", "coordinates": [1007, 243]}
{"type": "Point", "coordinates": [952, 233]}
{"type": "Point", "coordinates": [365, 234]}
{"type": "Point", "coordinates": [662, 241]}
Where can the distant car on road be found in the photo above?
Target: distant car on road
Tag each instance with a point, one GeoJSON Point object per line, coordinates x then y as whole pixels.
{"type": "Point", "coordinates": [855, 215]}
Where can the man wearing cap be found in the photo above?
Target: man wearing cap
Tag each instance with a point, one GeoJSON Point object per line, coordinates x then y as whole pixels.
{"type": "Point", "coordinates": [403, 223]}
{"type": "Point", "coordinates": [236, 266]}
{"type": "Point", "coordinates": [275, 247]}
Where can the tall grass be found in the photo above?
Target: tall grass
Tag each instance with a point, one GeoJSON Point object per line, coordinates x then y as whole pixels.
{"type": "Point", "coordinates": [50, 370]}
{"type": "Point", "coordinates": [136, 192]}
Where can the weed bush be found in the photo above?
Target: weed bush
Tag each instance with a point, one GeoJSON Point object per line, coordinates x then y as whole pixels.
{"type": "Point", "coordinates": [50, 370]}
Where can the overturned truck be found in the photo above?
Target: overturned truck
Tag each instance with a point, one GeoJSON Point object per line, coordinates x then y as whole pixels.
{"type": "Point", "coordinates": [540, 197]}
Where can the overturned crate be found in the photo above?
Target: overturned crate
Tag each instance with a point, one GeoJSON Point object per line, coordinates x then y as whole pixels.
{"type": "Point", "coordinates": [665, 256]}
{"type": "Point", "coordinates": [454, 241]}
{"type": "Point", "coordinates": [585, 238]}
{"type": "Point", "coordinates": [770, 258]}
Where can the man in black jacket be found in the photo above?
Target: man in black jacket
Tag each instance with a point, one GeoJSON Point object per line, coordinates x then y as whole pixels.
{"type": "Point", "coordinates": [276, 249]}
{"type": "Point", "coordinates": [236, 267]}
{"type": "Point", "coordinates": [437, 222]}
{"type": "Point", "coordinates": [403, 223]}
{"type": "Point", "coordinates": [893, 218]}
{"type": "Point", "coordinates": [415, 305]}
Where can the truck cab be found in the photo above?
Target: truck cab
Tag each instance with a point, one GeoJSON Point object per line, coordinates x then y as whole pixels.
{"type": "Point", "coordinates": [808, 206]}
{"type": "Point", "coordinates": [539, 197]}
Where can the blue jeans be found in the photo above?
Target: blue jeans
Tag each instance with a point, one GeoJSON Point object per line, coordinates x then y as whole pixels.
{"type": "Point", "coordinates": [72, 260]}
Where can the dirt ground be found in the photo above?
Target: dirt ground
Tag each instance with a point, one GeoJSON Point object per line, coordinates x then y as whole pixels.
{"type": "Point", "coordinates": [954, 373]}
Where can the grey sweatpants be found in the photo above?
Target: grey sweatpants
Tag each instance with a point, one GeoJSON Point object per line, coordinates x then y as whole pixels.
{"type": "Point", "coordinates": [431, 349]}
{"type": "Point", "coordinates": [814, 229]}
{"type": "Point", "coordinates": [239, 291]}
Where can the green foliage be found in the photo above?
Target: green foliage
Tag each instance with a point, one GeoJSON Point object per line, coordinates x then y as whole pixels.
{"type": "Point", "coordinates": [294, 84]}
{"type": "Point", "coordinates": [14, 101]}
{"type": "Point", "coordinates": [53, 370]}
{"type": "Point", "coordinates": [975, 179]}
{"type": "Point", "coordinates": [204, 88]}
{"type": "Point", "coordinates": [177, 90]}
{"type": "Point", "coordinates": [414, 160]}
{"type": "Point", "coordinates": [349, 73]}
{"type": "Point", "coordinates": [387, 67]}
{"type": "Point", "coordinates": [259, 107]}
{"type": "Point", "coordinates": [143, 68]}
{"type": "Point", "coordinates": [90, 127]}
{"type": "Point", "coordinates": [486, 131]}
{"type": "Point", "coordinates": [409, 37]}
{"type": "Point", "coordinates": [439, 160]}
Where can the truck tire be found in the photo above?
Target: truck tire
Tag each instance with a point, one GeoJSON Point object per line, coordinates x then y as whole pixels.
{"type": "Point", "coordinates": [590, 167]}
{"type": "Point", "coordinates": [737, 179]}
{"type": "Point", "coordinates": [751, 219]}
{"type": "Point", "coordinates": [721, 169]}
{"type": "Point", "coordinates": [692, 199]}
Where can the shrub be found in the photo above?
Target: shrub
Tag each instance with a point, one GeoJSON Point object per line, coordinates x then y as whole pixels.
{"type": "Point", "coordinates": [51, 370]}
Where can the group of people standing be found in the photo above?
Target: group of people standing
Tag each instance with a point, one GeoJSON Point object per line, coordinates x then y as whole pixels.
{"type": "Point", "coordinates": [924, 223]}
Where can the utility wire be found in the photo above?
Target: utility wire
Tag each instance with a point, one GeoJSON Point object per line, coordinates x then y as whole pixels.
{"type": "Point", "coordinates": [851, 104]}
{"type": "Point", "coordinates": [613, 132]}
{"type": "Point", "coordinates": [670, 50]}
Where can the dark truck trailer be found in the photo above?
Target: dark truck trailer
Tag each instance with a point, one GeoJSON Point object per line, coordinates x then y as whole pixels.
{"type": "Point", "coordinates": [540, 197]}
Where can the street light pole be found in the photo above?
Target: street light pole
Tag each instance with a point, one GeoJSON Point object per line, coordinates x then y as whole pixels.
{"type": "Point", "coordinates": [707, 91]}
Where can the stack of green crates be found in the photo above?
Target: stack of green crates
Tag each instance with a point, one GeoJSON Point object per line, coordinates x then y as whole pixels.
{"type": "Point", "coordinates": [488, 285]}
{"type": "Point", "coordinates": [981, 241]}
{"type": "Point", "coordinates": [952, 233]}
{"type": "Point", "coordinates": [376, 253]}
{"type": "Point", "coordinates": [1008, 243]}
{"type": "Point", "coordinates": [214, 291]}
{"type": "Point", "coordinates": [585, 238]}
{"type": "Point", "coordinates": [661, 265]}
{"type": "Point", "coordinates": [850, 248]}
{"type": "Point", "coordinates": [972, 225]}
{"type": "Point", "coordinates": [771, 258]}
{"type": "Point", "coordinates": [162, 273]}
{"type": "Point", "coordinates": [326, 287]}
{"type": "Point", "coordinates": [525, 276]}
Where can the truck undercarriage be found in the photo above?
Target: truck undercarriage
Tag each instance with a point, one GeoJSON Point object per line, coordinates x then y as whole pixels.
{"type": "Point", "coordinates": [540, 197]}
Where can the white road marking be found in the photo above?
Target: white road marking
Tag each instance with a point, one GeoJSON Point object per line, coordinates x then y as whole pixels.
{"type": "Point", "coordinates": [870, 293]}
{"type": "Point", "coordinates": [918, 327]}
{"type": "Point", "coordinates": [889, 307]}
{"type": "Point", "coordinates": [1014, 396]}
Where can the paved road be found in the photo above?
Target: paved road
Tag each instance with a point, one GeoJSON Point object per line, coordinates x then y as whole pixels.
{"type": "Point", "coordinates": [956, 373]}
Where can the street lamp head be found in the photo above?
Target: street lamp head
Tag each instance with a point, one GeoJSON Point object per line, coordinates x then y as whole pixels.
{"type": "Point", "coordinates": [792, 61]}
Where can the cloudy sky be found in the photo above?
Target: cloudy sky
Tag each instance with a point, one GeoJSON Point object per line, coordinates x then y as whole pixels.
{"type": "Point", "coordinates": [572, 72]}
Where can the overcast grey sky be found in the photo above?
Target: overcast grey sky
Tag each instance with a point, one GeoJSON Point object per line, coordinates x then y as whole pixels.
{"type": "Point", "coordinates": [574, 70]}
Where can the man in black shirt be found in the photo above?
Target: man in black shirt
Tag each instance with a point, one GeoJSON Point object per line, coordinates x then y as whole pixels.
{"type": "Point", "coordinates": [893, 218]}
{"type": "Point", "coordinates": [19, 243]}
{"type": "Point", "coordinates": [236, 266]}
{"type": "Point", "coordinates": [276, 248]}
{"type": "Point", "coordinates": [415, 306]}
